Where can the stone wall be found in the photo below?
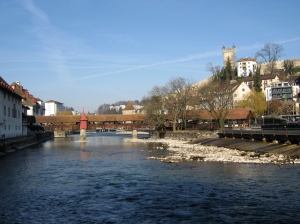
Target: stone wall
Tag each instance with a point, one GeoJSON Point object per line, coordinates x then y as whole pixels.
{"type": "Point", "coordinates": [190, 135]}
{"type": "Point", "coordinates": [22, 141]}
{"type": "Point", "coordinates": [279, 64]}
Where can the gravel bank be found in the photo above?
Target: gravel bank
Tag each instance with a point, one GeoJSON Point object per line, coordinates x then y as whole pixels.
{"type": "Point", "coordinates": [184, 150]}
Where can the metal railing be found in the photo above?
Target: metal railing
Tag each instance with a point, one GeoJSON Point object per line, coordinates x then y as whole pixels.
{"type": "Point", "coordinates": [259, 131]}
{"type": "Point", "coordinates": [6, 136]}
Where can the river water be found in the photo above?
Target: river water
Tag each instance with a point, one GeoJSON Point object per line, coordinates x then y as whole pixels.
{"type": "Point", "coordinates": [109, 180]}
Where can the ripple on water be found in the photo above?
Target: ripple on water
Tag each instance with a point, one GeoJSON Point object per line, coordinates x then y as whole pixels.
{"type": "Point", "coordinates": [113, 183]}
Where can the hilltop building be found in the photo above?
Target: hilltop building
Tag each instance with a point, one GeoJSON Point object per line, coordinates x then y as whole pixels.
{"type": "Point", "coordinates": [229, 54]}
{"type": "Point", "coordinates": [53, 107]}
{"type": "Point", "coordinates": [246, 66]}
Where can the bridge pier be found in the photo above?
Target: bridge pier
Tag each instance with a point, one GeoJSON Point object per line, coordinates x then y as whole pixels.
{"type": "Point", "coordinates": [82, 135]}
{"type": "Point", "coordinates": [60, 134]}
{"type": "Point", "coordinates": [134, 133]}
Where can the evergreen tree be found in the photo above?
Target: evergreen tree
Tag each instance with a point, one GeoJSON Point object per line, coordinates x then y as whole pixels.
{"type": "Point", "coordinates": [257, 80]}
{"type": "Point", "coordinates": [227, 72]}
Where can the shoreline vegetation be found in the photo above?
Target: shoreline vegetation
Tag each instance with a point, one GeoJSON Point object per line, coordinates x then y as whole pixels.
{"type": "Point", "coordinates": [207, 148]}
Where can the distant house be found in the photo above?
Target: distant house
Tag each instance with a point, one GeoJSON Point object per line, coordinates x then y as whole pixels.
{"type": "Point", "coordinates": [117, 108]}
{"type": "Point", "coordinates": [239, 91]}
{"type": "Point", "coordinates": [239, 117]}
{"type": "Point", "coordinates": [34, 105]}
{"type": "Point", "coordinates": [53, 107]}
{"type": "Point", "coordinates": [132, 109]}
{"type": "Point", "coordinates": [10, 111]}
{"type": "Point", "coordinates": [266, 81]}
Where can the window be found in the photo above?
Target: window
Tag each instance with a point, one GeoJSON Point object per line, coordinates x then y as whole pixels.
{"type": "Point", "coordinates": [235, 95]}
{"type": "Point", "coordinates": [8, 112]}
{"type": "Point", "coordinates": [4, 110]}
{"type": "Point", "coordinates": [243, 90]}
{"type": "Point", "coordinates": [14, 111]}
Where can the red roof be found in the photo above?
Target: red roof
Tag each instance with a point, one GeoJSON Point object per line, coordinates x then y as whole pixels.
{"type": "Point", "coordinates": [234, 114]}
{"type": "Point", "coordinates": [90, 118]}
{"type": "Point", "coordinates": [129, 106]}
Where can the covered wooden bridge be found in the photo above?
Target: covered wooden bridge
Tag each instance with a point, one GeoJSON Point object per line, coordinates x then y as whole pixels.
{"type": "Point", "coordinates": [95, 122]}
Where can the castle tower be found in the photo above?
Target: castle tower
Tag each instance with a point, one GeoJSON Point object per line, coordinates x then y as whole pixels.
{"type": "Point", "coordinates": [229, 53]}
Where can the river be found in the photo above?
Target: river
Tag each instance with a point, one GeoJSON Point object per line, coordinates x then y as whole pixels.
{"type": "Point", "coordinates": [109, 180]}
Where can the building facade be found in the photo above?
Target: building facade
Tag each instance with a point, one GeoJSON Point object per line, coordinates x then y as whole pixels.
{"type": "Point", "coordinates": [53, 107]}
{"type": "Point", "coordinates": [240, 90]}
{"type": "Point", "coordinates": [284, 91]}
{"type": "Point", "coordinates": [10, 111]}
{"type": "Point", "coordinates": [246, 66]}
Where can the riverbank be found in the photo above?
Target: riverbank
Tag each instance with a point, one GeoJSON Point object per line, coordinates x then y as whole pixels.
{"type": "Point", "coordinates": [210, 149]}
{"type": "Point", "coordinates": [9, 145]}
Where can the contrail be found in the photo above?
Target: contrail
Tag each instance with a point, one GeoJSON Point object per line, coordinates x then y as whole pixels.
{"type": "Point", "coordinates": [188, 58]}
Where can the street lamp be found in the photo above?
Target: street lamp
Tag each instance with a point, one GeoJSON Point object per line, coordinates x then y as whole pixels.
{"type": "Point", "coordinates": [263, 119]}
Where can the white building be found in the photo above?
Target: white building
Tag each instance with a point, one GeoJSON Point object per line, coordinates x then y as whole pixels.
{"type": "Point", "coordinates": [240, 90]}
{"type": "Point", "coordinates": [245, 66]}
{"type": "Point", "coordinates": [10, 111]}
{"type": "Point", "coordinates": [117, 108]}
{"type": "Point", "coordinates": [53, 107]}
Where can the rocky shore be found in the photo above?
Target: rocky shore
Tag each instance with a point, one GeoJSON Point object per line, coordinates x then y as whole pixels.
{"type": "Point", "coordinates": [184, 149]}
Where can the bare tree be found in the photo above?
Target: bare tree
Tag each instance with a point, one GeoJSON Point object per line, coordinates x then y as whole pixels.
{"type": "Point", "coordinates": [287, 108]}
{"type": "Point", "coordinates": [215, 70]}
{"type": "Point", "coordinates": [274, 105]}
{"type": "Point", "coordinates": [217, 99]}
{"type": "Point", "coordinates": [178, 99]}
{"type": "Point", "coordinates": [154, 107]}
{"type": "Point", "coordinates": [169, 102]}
{"type": "Point", "coordinates": [270, 53]}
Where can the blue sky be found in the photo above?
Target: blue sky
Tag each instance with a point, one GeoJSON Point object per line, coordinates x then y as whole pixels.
{"type": "Point", "coordinates": [84, 53]}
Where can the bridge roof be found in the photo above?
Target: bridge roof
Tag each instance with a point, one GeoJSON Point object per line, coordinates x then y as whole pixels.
{"type": "Point", "coordinates": [234, 114]}
{"type": "Point", "coordinates": [90, 118]}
